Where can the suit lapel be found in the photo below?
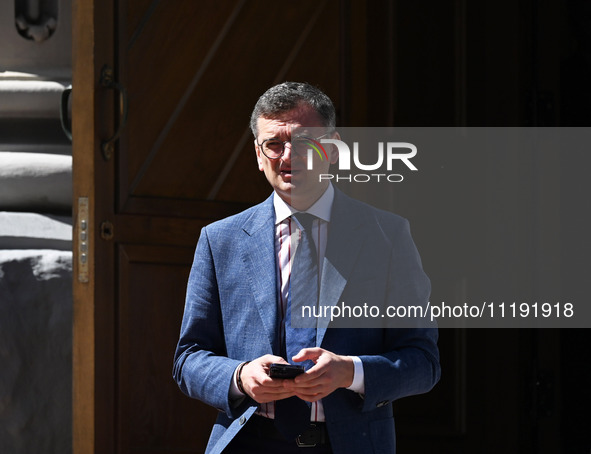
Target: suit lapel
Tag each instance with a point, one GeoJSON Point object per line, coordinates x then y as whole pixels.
{"type": "Point", "coordinates": [345, 239]}
{"type": "Point", "coordinates": [258, 255]}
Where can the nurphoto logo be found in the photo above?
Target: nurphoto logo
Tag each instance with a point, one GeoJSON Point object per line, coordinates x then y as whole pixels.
{"type": "Point", "coordinates": [387, 152]}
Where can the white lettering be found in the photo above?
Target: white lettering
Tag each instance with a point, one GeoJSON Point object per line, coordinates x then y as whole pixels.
{"type": "Point", "coordinates": [375, 166]}
{"type": "Point", "coordinates": [404, 157]}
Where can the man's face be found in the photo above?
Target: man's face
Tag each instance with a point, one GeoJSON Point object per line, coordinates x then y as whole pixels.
{"type": "Point", "coordinates": [288, 175]}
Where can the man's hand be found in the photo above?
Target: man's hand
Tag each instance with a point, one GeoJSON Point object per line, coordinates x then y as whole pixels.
{"type": "Point", "coordinates": [329, 373]}
{"type": "Point", "coordinates": [257, 383]}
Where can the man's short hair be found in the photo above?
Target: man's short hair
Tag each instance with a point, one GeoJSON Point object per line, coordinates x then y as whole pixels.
{"type": "Point", "coordinates": [287, 96]}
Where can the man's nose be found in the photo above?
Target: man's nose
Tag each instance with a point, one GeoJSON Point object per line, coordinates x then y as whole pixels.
{"type": "Point", "coordinates": [287, 152]}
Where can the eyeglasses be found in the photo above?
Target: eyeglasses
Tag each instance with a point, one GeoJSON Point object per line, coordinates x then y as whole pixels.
{"type": "Point", "coordinates": [274, 148]}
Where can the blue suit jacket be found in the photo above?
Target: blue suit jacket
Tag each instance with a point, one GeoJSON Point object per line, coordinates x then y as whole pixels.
{"type": "Point", "coordinates": [231, 316]}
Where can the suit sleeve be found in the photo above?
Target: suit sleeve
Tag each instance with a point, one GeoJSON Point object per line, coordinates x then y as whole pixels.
{"type": "Point", "coordinates": [201, 368]}
{"type": "Point", "coordinates": [411, 362]}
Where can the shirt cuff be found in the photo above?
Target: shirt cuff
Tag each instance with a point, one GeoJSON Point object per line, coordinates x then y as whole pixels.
{"type": "Point", "coordinates": [358, 384]}
{"type": "Point", "coordinates": [235, 393]}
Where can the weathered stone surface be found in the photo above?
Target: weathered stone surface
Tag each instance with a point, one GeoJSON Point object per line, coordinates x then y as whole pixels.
{"type": "Point", "coordinates": [48, 148]}
{"type": "Point", "coordinates": [30, 98]}
{"type": "Point", "coordinates": [35, 182]}
{"type": "Point", "coordinates": [35, 231]}
{"type": "Point", "coordinates": [35, 351]}
{"type": "Point", "coordinates": [20, 54]}
{"type": "Point", "coordinates": [30, 107]}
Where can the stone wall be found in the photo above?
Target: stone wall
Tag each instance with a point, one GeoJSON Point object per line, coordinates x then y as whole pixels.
{"type": "Point", "coordinates": [35, 229]}
{"type": "Point", "coordinates": [35, 351]}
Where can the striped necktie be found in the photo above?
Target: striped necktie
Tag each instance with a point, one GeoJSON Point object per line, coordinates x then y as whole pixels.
{"type": "Point", "coordinates": [292, 416]}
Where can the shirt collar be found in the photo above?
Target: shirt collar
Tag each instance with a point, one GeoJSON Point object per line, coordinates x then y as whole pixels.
{"type": "Point", "coordinates": [321, 208]}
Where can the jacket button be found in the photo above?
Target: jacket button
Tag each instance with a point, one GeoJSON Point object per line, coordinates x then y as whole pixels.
{"type": "Point", "coordinates": [242, 420]}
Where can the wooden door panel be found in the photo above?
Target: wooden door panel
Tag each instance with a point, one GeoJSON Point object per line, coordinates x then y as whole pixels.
{"type": "Point", "coordinates": [153, 415]}
{"type": "Point", "coordinates": [159, 63]}
{"type": "Point", "coordinates": [188, 135]}
{"type": "Point", "coordinates": [137, 11]}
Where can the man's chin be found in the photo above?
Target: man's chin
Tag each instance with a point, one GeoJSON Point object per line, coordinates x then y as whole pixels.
{"type": "Point", "coordinates": [285, 184]}
{"type": "Point", "coordinates": [299, 179]}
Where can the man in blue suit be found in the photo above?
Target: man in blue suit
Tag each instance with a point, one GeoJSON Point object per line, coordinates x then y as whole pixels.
{"type": "Point", "coordinates": [236, 321]}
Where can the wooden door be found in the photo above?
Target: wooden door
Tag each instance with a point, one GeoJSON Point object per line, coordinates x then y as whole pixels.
{"type": "Point", "coordinates": [191, 72]}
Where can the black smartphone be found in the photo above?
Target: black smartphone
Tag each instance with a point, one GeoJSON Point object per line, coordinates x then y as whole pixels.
{"type": "Point", "coordinates": [277, 370]}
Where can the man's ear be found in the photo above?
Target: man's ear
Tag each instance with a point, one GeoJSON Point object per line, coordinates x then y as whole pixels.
{"type": "Point", "coordinates": [334, 151]}
{"type": "Point", "coordinates": [257, 150]}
